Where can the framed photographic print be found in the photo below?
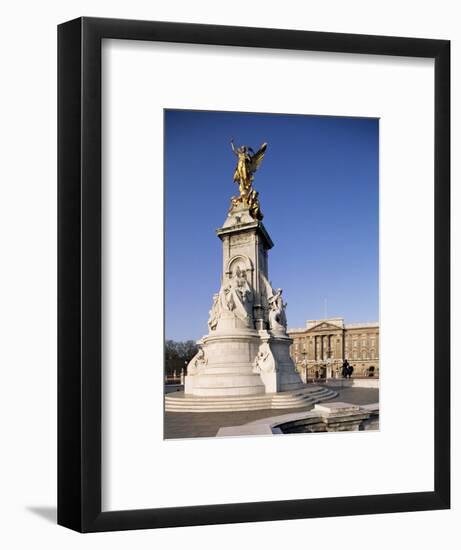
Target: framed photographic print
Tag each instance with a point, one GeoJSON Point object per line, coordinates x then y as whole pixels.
{"type": "Point", "coordinates": [253, 274]}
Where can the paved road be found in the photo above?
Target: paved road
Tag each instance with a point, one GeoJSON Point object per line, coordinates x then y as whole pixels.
{"type": "Point", "coordinates": [181, 425]}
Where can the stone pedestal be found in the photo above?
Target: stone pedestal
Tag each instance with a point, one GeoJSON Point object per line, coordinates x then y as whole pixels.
{"type": "Point", "coordinates": [340, 416]}
{"type": "Point", "coordinates": [247, 350]}
{"type": "Point", "coordinates": [228, 369]}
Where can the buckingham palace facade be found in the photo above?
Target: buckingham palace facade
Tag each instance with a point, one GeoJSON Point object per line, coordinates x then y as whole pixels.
{"type": "Point", "coordinates": [320, 348]}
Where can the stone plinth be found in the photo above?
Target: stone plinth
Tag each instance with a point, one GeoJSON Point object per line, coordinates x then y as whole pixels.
{"type": "Point", "coordinates": [340, 416]}
{"type": "Point", "coordinates": [347, 417]}
{"type": "Point", "coordinates": [229, 366]}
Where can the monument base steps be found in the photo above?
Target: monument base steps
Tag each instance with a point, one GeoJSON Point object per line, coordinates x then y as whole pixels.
{"type": "Point", "coordinates": [180, 402]}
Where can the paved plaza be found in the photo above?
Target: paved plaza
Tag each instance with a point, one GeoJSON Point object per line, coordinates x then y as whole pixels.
{"type": "Point", "coordinates": [183, 424]}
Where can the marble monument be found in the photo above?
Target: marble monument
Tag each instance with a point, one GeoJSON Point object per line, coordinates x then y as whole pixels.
{"type": "Point", "coordinates": [246, 351]}
{"type": "Point", "coordinates": [244, 361]}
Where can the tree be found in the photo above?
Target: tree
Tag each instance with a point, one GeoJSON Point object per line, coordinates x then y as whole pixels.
{"type": "Point", "coordinates": [178, 355]}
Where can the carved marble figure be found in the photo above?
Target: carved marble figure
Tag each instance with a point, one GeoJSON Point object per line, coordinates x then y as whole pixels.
{"type": "Point", "coordinates": [264, 361]}
{"type": "Point", "coordinates": [277, 316]}
{"type": "Point", "coordinates": [215, 312]}
{"type": "Point", "coordinates": [197, 362]}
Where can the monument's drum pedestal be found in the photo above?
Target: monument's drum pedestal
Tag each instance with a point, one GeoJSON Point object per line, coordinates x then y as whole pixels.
{"type": "Point", "coordinates": [244, 361]}
{"type": "Point", "coordinates": [228, 369]}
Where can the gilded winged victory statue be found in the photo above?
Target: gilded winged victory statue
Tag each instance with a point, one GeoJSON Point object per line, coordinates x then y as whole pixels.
{"type": "Point", "coordinates": [247, 163]}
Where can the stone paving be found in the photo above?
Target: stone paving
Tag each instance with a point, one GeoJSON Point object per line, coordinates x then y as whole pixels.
{"type": "Point", "coordinates": [182, 425]}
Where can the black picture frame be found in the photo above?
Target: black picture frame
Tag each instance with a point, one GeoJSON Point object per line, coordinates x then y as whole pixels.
{"type": "Point", "coordinates": [79, 274]}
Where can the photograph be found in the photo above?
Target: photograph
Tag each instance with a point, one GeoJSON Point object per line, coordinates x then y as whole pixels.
{"type": "Point", "coordinates": [271, 274]}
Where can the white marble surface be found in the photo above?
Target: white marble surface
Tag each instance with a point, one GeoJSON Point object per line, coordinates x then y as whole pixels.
{"type": "Point", "coordinates": [247, 350]}
{"type": "Point", "coordinates": [270, 425]}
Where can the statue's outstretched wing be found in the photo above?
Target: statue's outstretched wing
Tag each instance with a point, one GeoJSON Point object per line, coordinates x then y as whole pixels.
{"type": "Point", "coordinates": [257, 158]}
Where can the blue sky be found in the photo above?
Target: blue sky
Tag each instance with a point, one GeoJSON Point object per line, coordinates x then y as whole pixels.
{"type": "Point", "coordinates": [318, 187]}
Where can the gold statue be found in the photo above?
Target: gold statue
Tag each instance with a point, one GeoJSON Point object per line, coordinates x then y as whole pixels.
{"type": "Point", "coordinates": [247, 164]}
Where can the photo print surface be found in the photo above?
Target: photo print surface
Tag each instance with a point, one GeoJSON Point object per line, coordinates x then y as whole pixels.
{"type": "Point", "coordinates": [271, 274]}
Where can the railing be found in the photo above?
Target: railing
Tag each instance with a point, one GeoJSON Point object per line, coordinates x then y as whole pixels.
{"type": "Point", "coordinates": [173, 380]}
